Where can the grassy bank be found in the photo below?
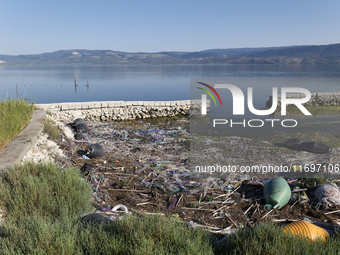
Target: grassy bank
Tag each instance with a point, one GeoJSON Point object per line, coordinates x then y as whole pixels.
{"type": "Point", "coordinates": [44, 202]}
{"type": "Point", "coordinates": [15, 114]}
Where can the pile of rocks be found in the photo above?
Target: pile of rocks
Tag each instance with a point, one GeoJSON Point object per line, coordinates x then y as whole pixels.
{"type": "Point", "coordinates": [121, 110]}
{"type": "Point", "coordinates": [134, 112]}
{"type": "Point", "coordinates": [44, 150]}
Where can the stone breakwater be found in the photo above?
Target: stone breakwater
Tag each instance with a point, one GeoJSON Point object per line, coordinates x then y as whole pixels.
{"type": "Point", "coordinates": [317, 99]}
{"type": "Point", "coordinates": [123, 110]}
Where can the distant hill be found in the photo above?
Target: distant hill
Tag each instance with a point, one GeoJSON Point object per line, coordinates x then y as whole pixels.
{"type": "Point", "coordinates": [236, 51]}
{"type": "Point", "coordinates": [314, 54]}
{"type": "Point", "coordinates": [324, 51]}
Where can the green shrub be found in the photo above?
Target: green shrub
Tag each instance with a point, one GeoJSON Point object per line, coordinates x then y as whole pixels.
{"type": "Point", "coordinates": [146, 235]}
{"type": "Point", "coordinates": [36, 235]}
{"type": "Point", "coordinates": [51, 130]}
{"type": "Point", "coordinates": [45, 190]}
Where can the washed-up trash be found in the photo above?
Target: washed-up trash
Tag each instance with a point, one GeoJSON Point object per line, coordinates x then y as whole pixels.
{"type": "Point", "coordinates": [136, 149]}
{"type": "Point", "coordinates": [86, 169]}
{"type": "Point", "coordinates": [294, 142]}
{"type": "Point", "coordinates": [121, 208]}
{"type": "Point", "coordinates": [304, 145]}
{"type": "Point", "coordinates": [95, 218]}
{"type": "Point", "coordinates": [82, 136]}
{"type": "Point", "coordinates": [77, 121]}
{"type": "Point", "coordinates": [192, 224]}
{"type": "Point", "coordinates": [81, 152]}
{"type": "Point", "coordinates": [305, 229]}
{"type": "Point", "coordinates": [276, 193]}
{"type": "Point", "coordinates": [327, 193]}
{"type": "Point", "coordinates": [314, 147]}
{"type": "Point", "coordinates": [81, 128]}
{"type": "Point", "coordinates": [94, 151]}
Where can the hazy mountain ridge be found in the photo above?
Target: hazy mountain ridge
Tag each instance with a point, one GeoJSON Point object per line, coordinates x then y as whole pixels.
{"type": "Point", "coordinates": [321, 54]}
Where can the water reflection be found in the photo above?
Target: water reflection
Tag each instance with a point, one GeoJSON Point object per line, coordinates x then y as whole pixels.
{"type": "Point", "coordinates": [157, 82]}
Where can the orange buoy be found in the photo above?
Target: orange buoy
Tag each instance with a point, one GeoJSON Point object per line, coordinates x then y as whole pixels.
{"type": "Point", "coordinates": [305, 229]}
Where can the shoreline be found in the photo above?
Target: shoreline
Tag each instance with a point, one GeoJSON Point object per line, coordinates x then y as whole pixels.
{"type": "Point", "coordinates": [122, 110]}
{"type": "Point", "coordinates": [160, 153]}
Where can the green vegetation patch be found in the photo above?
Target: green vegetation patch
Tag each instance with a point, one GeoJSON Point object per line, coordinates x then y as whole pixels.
{"type": "Point", "coordinates": [15, 114]}
{"type": "Point", "coordinates": [51, 130]}
{"type": "Point", "coordinates": [44, 190]}
{"type": "Point", "coordinates": [44, 203]}
{"type": "Point", "coordinates": [130, 235]}
{"type": "Point", "coordinates": [148, 235]}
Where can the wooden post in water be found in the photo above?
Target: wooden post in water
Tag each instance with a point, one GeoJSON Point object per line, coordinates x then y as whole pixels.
{"type": "Point", "coordinates": [75, 86]}
{"type": "Point", "coordinates": [87, 85]}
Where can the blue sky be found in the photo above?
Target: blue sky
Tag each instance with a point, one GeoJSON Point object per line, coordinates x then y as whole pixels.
{"type": "Point", "coordinates": [30, 27]}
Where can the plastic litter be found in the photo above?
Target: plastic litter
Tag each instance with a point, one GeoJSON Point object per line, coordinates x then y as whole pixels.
{"type": "Point", "coordinates": [294, 142]}
{"type": "Point", "coordinates": [136, 149]}
{"type": "Point", "coordinates": [303, 144]}
{"type": "Point", "coordinates": [327, 193]}
{"type": "Point", "coordinates": [314, 147]}
{"type": "Point", "coordinates": [94, 151]}
{"type": "Point", "coordinates": [77, 121]}
{"type": "Point", "coordinates": [95, 218]}
{"type": "Point", "coordinates": [82, 136]}
{"type": "Point", "coordinates": [192, 224]}
{"type": "Point", "coordinates": [81, 128]}
{"type": "Point", "coordinates": [121, 207]}
{"type": "Point", "coordinates": [86, 169]}
{"type": "Point", "coordinates": [306, 229]}
{"type": "Point", "coordinates": [276, 193]}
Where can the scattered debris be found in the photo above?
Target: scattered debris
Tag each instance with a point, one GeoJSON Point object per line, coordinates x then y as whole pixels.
{"type": "Point", "coordinates": [327, 194]}
{"type": "Point", "coordinates": [315, 147]}
{"type": "Point", "coordinates": [77, 121]}
{"type": "Point", "coordinates": [81, 128]}
{"type": "Point", "coordinates": [86, 169]}
{"type": "Point", "coordinates": [306, 229]}
{"type": "Point", "coordinates": [304, 145]}
{"type": "Point", "coordinates": [145, 170]}
{"type": "Point", "coordinates": [276, 193]}
{"type": "Point", "coordinates": [95, 218]}
{"type": "Point", "coordinates": [94, 151]}
{"type": "Point", "coordinates": [294, 142]}
{"type": "Point", "coordinates": [82, 136]}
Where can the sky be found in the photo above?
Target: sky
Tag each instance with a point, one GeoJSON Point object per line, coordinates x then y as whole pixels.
{"type": "Point", "coordinates": [36, 26]}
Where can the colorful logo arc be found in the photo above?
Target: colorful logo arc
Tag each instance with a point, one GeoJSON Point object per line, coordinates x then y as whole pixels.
{"type": "Point", "coordinates": [208, 92]}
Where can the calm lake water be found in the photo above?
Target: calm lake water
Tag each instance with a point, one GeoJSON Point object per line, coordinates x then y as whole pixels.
{"type": "Point", "coordinates": [53, 84]}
